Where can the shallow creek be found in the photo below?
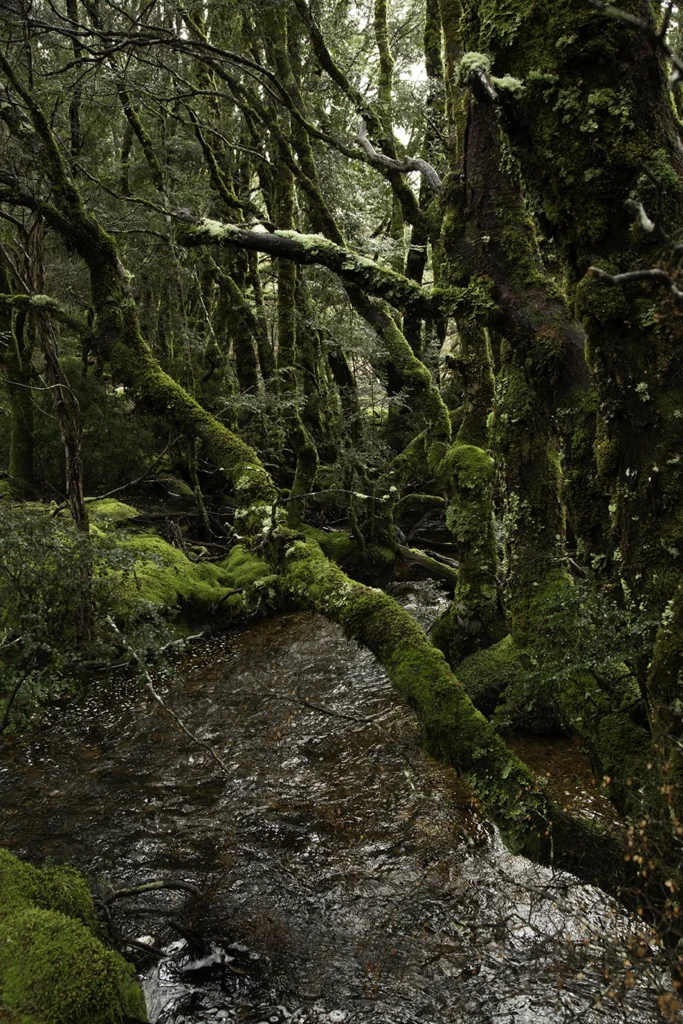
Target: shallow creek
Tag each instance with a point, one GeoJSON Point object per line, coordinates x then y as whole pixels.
{"type": "Point", "coordinates": [345, 877]}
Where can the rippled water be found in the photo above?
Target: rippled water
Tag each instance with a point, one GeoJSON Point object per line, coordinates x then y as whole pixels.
{"type": "Point", "coordinates": [345, 876]}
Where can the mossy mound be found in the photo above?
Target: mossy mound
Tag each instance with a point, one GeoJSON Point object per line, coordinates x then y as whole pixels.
{"type": "Point", "coordinates": [165, 576]}
{"type": "Point", "coordinates": [488, 673]}
{"type": "Point", "coordinates": [53, 968]}
{"type": "Point", "coordinates": [109, 510]}
{"type": "Point", "coordinates": [247, 572]}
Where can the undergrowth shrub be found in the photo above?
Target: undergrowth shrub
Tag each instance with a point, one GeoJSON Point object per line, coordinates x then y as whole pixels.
{"type": "Point", "coordinates": [59, 595]}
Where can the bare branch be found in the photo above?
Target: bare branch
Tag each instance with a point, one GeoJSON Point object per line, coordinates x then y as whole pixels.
{"type": "Point", "coordinates": [409, 163]}
{"type": "Point", "coordinates": [154, 885]}
{"type": "Point", "coordinates": [655, 274]}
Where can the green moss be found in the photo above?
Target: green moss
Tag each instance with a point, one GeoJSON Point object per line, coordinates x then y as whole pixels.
{"type": "Point", "coordinates": [164, 576]}
{"type": "Point", "coordinates": [488, 673]}
{"type": "Point", "coordinates": [470, 466]}
{"type": "Point", "coordinates": [466, 474]}
{"type": "Point", "coordinates": [54, 887]}
{"type": "Point", "coordinates": [454, 731]}
{"type": "Point", "coordinates": [53, 968]}
{"type": "Point", "coordinates": [54, 971]}
{"type": "Point", "coordinates": [590, 126]}
{"type": "Point", "coordinates": [177, 486]}
{"type": "Point", "coordinates": [470, 64]}
{"type": "Point", "coordinates": [109, 510]}
{"type": "Point", "coordinates": [375, 562]}
{"type": "Point", "coordinates": [243, 568]}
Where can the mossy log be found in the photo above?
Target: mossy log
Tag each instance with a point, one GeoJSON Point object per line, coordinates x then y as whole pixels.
{"type": "Point", "coordinates": [454, 731]}
{"type": "Point", "coordinates": [437, 570]}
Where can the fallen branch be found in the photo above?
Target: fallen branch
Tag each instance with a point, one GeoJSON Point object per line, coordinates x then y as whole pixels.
{"type": "Point", "coordinates": [228, 593]}
{"type": "Point", "coordinates": [176, 717]}
{"type": "Point", "coordinates": [153, 885]}
{"type": "Point", "coordinates": [135, 659]}
{"type": "Point", "coordinates": [296, 699]}
{"type": "Point", "coordinates": [437, 569]}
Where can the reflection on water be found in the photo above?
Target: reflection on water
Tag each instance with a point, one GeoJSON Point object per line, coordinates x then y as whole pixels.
{"type": "Point", "coordinates": [346, 877]}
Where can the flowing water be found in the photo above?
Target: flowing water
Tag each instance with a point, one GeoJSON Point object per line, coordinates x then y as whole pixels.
{"type": "Point", "coordinates": [344, 875]}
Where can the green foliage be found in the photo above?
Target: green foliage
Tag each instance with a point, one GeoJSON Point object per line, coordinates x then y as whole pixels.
{"type": "Point", "coordinates": [58, 592]}
{"type": "Point", "coordinates": [117, 444]}
{"type": "Point", "coordinates": [586, 657]}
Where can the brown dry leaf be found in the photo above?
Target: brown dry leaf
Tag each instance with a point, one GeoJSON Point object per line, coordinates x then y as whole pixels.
{"type": "Point", "coordinates": [669, 1005]}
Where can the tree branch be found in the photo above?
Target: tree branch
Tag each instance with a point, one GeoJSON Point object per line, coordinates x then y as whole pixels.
{"type": "Point", "coordinates": [654, 274]}
{"type": "Point", "coordinates": [409, 163]}
{"type": "Point", "coordinates": [48, 305]}
{"type": "Point", "coordinates": [311, 250]}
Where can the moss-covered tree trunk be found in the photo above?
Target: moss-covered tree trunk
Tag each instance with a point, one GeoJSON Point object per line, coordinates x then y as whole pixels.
{"type": "Point", "coordinates": [595, 115]}
{"type": "Point", "coordinates": [15, 363]}
{"type": "Point", "coordinates": [467, 474]}
{"type": "Point", "coordinates": [487, 230]}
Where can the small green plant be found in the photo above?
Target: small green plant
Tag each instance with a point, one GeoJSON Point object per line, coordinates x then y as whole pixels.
{"type": "Point", "coordinates": [585, 637]}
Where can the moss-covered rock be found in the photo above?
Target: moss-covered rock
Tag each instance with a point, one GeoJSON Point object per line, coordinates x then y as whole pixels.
{"type": "Point", "coordinates": [53, 967]}
{"type": "Point", "coordinates": [55, 887]}
{"type": "Point", "coordinates": [488, 673]}
{"type": "Point", "coordinates": [109, 510]}
{"type": "Point", "coordinates": [164, 576]}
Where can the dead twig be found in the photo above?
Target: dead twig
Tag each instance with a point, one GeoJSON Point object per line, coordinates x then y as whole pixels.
{"type": "Point", "coordinates": [154, 885]}
{"type": "Point", "coordinates": [296, 699]}
{"type": "Point", "coordinates": [654, 274]}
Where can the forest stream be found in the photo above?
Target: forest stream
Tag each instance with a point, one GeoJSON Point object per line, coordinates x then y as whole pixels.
{"type": "Point", "coordinates": [344, 875]}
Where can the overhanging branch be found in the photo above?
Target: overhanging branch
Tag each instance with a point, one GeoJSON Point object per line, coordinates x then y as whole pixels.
{"type": "Point", "coordinates": [654, 275]}
{"type": "Point", "coordinates": [48, 305]}
{"type": "Point", "coordinates": [303, 249]}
